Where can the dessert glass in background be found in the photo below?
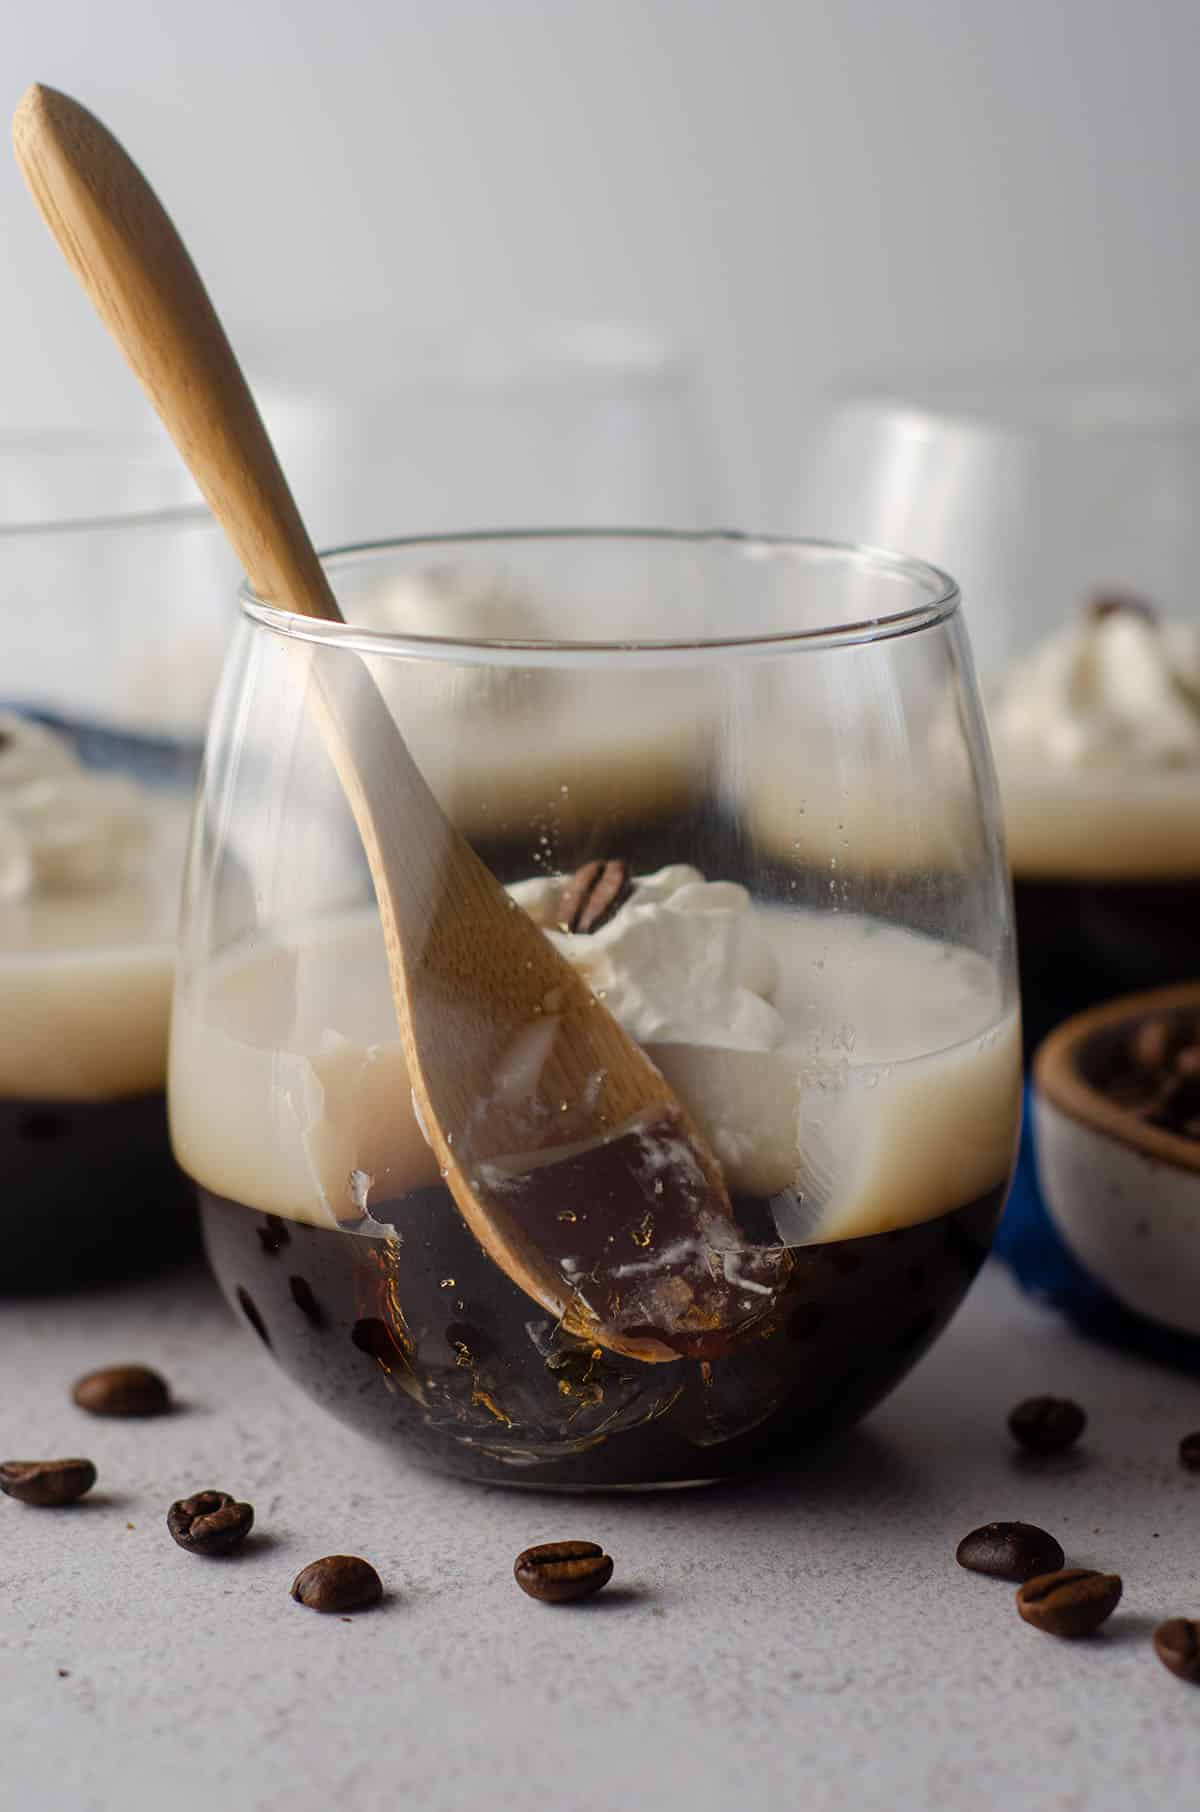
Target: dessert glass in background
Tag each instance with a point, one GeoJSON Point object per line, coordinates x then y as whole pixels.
{"type": "Point", "coordinates": [567, 424]}
{"type": "Point", "coordinates": [111, 576]}
{"type": "Point", "coordinates": [1059, 503]}
{"type": "Point", "coordinates": [816, 949]}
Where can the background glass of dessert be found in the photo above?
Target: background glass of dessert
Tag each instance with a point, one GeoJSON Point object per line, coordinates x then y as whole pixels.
{"type": "Point", "coordinates": [112, 579]}
{"type": "Point", "coordinates": [1069, 511]}
{"type": "Point", "coordinates": [778, 751]}
{"type": "Point", "coordinates": [569, 424]}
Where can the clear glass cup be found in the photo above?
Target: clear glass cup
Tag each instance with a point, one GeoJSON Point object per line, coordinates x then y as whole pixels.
{"type": "Point", "coordinates": [1043, 492]}
{"type": "Point", "coordinates": [570, 424]}
{"type": "Point", "coordinates": [114, 584]}
{"type": "Point", "coordinates": [784, 743]}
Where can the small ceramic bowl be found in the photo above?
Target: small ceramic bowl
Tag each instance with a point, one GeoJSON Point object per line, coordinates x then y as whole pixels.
{"type": "Point", "coordinates": [1123, 1196]}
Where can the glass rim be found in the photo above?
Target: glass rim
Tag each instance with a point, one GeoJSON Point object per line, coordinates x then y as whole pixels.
{"type": "Point", "coordinates": [103, 452]}
{"type": "Point", "coordinates": [941, 600]}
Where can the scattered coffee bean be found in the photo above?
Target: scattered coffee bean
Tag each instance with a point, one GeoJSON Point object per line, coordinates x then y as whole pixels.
{"type": "Point", "coordinates": [47, 1483]}
{"type": "Point", "coordinates": [558, 1572]}
{"type": "Point", "coordinates": [594, 894]}
{"type": "Point", "coordinates": [1177, 1645]}
{"type": "Point", "coordinates": [340, 1582]}
{"type": "Point", "coordinates": [1015, 1551]}
{"type": "Point", "coordinates": [210, 1522]}
{"type": "Point", "coordinates": [1047, 1424]}
{"type": "Point", "coordinates": [1189, 1452]}
{"type": "Point", "coordinates": [1072, 1602]}
{"type": "Point", "coordinates": [123, 1390]}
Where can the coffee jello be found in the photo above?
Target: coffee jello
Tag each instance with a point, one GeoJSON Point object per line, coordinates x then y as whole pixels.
{"type": "Point", "coordinates": [857, 1082]}
{"type": "Point", "coordinates": [1097, 742]}
{"type": "Point", "coordinates": [89, 882]}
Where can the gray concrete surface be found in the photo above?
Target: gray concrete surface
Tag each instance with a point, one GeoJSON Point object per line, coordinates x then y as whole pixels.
{"type": "Point", "coordinates": [805, 1642]}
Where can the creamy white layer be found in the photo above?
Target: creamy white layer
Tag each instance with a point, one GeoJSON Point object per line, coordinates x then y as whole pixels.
{"type": "Point", "coordinates": [1097, 740]}
{"type": "Point", "coordinates": [90, 868]}
{"type": "Point", "coordinates": [63, 828]}
{"type": "Point", "coordinates": [884, 1091]}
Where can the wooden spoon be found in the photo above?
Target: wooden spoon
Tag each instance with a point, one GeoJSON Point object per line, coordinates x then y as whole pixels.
{"type": "Point", "coordinates": [568, 1156]}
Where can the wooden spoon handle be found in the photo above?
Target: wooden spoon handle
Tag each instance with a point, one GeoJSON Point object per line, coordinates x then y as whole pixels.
{"type": "Point", "coordinates": [121, 244]}
{"type": "Point", "coordinates": [502, 1036]}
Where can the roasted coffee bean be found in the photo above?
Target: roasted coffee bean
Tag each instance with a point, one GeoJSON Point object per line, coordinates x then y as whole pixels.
{"type": "Point", "coordinates": [1016, 1551]}
{"type": "Point", "coordinates": [47, 1483]}
{"type": "Point", "coordinates": [594, 894]}
{"type": "Point", "coordinates": [1072, 1602]}
{"type": "Point", "coordinates": [1047, 1424]}
{"type": "Point", "coordinates": [1189, 1452]}
{"type": "Point", "coordinates": [1177, 1109]}
{"type": "Point", "coordinates": [1114, 603]}
{"type": "Point", "coordinates": [558, 1572]}
{"type": "Point", "coordinates": [1177, 1645]}
{"type": "Point", "coordinates": [210, 1522]}
{"type": "Point", "coordinates": [1187, 1061]}
{"type": "Point", "coordinates": [1150, 1045]}
{"type": "Point", "coordinates": [123, 1390]}
{"type": "Point", "coordinates": [340, 1582]}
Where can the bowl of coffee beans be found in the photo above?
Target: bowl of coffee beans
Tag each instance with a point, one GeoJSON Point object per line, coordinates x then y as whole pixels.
{"type": "Point", "coordinates": [1116, 1105]}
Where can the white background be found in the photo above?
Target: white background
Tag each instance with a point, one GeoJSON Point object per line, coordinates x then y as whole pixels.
{"type": "Point", "coordinates": [792, 191]}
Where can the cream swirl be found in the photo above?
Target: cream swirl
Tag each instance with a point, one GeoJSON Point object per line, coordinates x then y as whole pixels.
{"type": "Point", "coordinates": [682, 962]}
{"type": "Point", "coordinates": [63, 828]}
{"type": "Point", "coordinates": [1120, 688]}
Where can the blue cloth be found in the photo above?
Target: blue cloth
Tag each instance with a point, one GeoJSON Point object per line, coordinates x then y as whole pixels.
{"type": "Point", "coordinates": [1029, 1243]}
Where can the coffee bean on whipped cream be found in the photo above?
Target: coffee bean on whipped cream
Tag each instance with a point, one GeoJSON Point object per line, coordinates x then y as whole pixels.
{"type": "Point", "coordinates": [1115, 604]}
{"type": "Point", "coordinates": [594, 894]}
{"type": "Point", "coordinates": [123, 1390]}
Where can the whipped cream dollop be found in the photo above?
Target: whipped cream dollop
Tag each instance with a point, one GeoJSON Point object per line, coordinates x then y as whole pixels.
{"type": "Point", "coordinates": [681, 962]}
{"type": "Point", "coordinates": [63, 828]}
{"type": "Point", "coordinates": [1119, 688]}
